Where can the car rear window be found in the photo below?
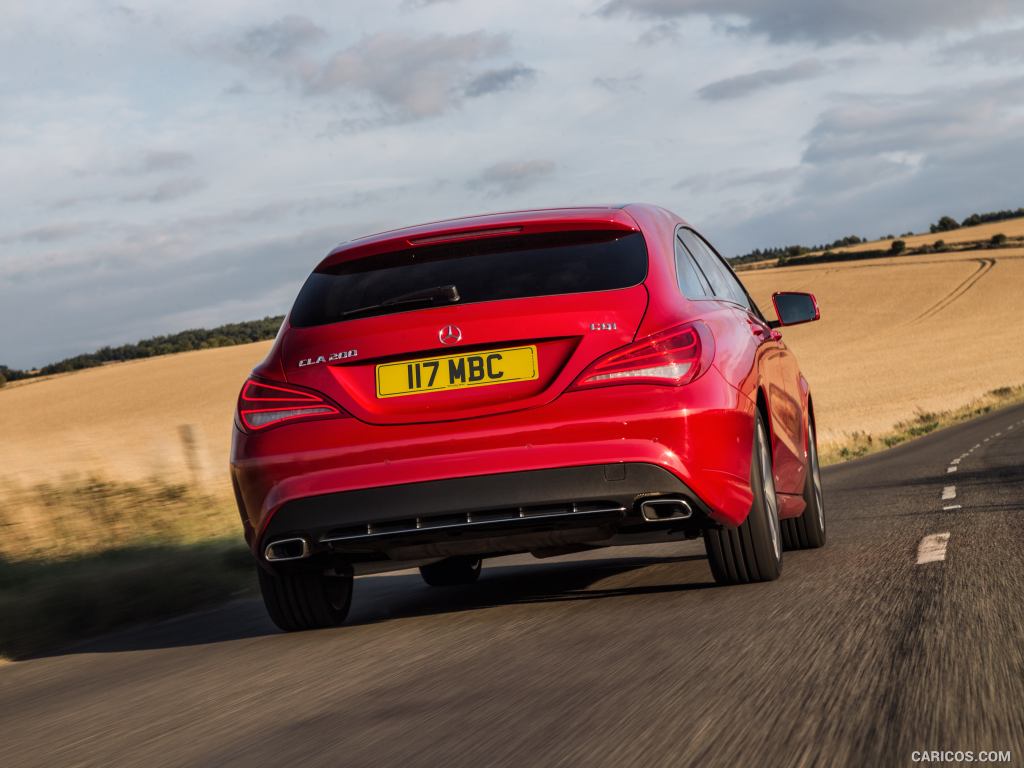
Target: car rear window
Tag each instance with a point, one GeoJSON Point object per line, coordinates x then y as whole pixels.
{"type": "Point", "coordinates": [481, 270]}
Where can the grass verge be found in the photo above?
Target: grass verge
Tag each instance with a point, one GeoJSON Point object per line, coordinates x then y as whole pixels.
{"type": "Point", "coordinates": [86, 555]}
{"type": "Point", "coordinates": [857, 444]}
{"type": "Point", "coordinates": [49, 603]}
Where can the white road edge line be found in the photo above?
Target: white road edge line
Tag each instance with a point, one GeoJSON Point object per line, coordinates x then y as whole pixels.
{"type": "Point", "coordinates": [932, 548]}
{"type": "Point", "coordinates": [949, 492]}
{"type": "Point", "coordinates": [951, 468]}
{"type": "Point", "coordinates": [951, 507]}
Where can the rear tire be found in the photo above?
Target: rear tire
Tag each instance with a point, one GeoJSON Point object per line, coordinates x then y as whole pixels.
{"type": "Point", "coordinates": [452, 571]}
{"type": "Point", "coordinates": [299, 600]}
{"type": "Point", "coordinates": [753, 551]}
{"type": "Point", "coordinates": [808, 530]}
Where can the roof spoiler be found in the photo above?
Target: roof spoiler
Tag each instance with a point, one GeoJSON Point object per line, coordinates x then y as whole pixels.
{"type": "Point", "coordinates": [500, 225]}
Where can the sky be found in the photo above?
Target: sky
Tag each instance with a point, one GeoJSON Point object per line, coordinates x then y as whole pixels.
{"type": "Point", "coordinates": [170, 165]}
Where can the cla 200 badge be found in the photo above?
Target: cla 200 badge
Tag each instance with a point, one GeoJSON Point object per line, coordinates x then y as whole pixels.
{"type": "Point", "coordinates": [333, 357]}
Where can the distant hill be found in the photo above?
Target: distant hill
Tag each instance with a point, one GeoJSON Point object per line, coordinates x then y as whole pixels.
{"type": "Point", "coordinates": [184, 341]}
{"type": "Point", "coordinates": [787, 254]}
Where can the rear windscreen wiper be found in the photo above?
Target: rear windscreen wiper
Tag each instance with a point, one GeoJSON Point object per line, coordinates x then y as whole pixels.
{"type": "Point", "coordinates": [446, 293]}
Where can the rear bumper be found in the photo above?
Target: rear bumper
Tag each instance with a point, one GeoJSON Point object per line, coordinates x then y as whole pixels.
{"type": "Point", "coordinates": [692, 441]}
{"type": "Point", "coordinates": [478, 515]}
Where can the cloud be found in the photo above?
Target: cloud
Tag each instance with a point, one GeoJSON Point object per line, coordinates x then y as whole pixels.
{"type": "Point", "coordinates": [174, 273]}
{"type": "Point", "coordinates": [744, 85]}
{"type": "Point", "coordinates": [658, 33]}
{"type": "Point", "coordinates": [824, 22]}
{"type": "Point", "coordinates": [158, 161]}
{"type": "Point", "coordinates": [151, 288]}
{"type": "Point", "coordinates": [174, 189]}
{"type": "Point", "coordinates": [137, 110]}
{"type": "Point", "coordinates": [621, 84]}
{"type": "Point", "coordinates": [413, 77]}
{"type": "Point", "coordinates": [872, 125]}
{"type": "Point", "coordinates": [49, 233]}
{"type": "Point", "coordinates": [407, 77]}
{"type": "Point", "coordinates": [733, 177]}
{"type": "Point", "coordinates": [1004, 47]}
{"type": "Point", "coordinates": [880, 163]}
{"type": "Point", "coordinates": [281, 39]}
{"type": "Point", "coordinates": [494, 80]}
{"type": "Point", "coordinates": [511, 177]}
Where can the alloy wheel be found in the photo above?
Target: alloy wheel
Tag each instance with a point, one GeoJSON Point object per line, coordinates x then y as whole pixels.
{"type": "Point", "coordinates": [771, 501]}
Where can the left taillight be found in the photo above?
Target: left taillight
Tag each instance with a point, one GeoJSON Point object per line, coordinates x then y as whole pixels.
{"type": "Point", "coordinates": [672, 357]}
{"type": "Point", "coordinates": [262, 405]}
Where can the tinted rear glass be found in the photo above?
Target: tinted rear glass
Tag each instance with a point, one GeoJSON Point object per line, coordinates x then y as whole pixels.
{"type": "Point", "coordinates": [481, 270]}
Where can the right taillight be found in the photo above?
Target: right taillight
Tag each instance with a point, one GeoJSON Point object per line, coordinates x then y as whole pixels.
{"type": "Point", "coordinates": [672, 357]}
{"type": "Point", "coordinates": [262, 405]}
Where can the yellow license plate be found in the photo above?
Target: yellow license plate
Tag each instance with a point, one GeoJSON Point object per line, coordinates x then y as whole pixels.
{"type": "Point", "coordinates": [475, 369]}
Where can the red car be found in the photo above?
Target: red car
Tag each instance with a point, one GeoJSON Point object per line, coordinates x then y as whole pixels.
{"type": "Point", "coordinates": [543, 381]}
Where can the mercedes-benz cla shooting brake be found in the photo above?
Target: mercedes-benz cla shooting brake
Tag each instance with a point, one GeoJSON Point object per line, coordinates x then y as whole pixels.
{"type": "Point", "coordinates": [543, 381]}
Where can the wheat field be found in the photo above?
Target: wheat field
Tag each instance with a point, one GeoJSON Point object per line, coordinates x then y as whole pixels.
{"type": "Point", "coordinates": [918, 332]}
{"type": "Point", "coordinates": [167, 417]}
{"type": "Point", "coordinates": [929, 332]}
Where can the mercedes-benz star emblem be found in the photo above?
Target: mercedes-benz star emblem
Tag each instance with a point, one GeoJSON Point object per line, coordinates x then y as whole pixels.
{"type": "Point", "coordinates": [450, 334]}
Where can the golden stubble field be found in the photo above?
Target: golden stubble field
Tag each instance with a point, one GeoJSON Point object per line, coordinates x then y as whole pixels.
{"type": "Point", "coordinates": [167, 417]}
{"type": "Point", "coordinates": [929, 332]}
{"type": "Point", "coordinates": [919, 332]}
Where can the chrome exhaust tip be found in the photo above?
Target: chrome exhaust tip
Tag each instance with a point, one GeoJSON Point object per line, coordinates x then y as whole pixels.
{"type": "Point", "coordinates": [660, 510]}
{"type": "Point", "coordinates": [286, 549]}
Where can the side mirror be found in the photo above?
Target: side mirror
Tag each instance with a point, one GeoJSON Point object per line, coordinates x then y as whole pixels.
{"type": "Point", "coordinates": [794, 308]}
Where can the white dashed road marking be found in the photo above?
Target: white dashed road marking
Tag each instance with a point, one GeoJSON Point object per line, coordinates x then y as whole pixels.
{"type": "Point", "coordinates": [932, 549]}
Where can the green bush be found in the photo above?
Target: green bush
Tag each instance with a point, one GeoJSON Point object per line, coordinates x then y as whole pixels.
{"type": "Point", "coordinates": [945, 224]}
{"type": "Point", "coordinates": [999, 239]}
{"type": "Point", "coordinates": [898, 246]}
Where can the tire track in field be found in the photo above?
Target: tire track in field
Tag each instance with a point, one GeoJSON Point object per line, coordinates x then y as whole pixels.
{"type": "Point", "coordinates": [985, 265]}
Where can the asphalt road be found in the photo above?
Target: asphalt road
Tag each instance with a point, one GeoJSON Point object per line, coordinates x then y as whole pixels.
{"type": "Point", "coordinates": [858, 655]}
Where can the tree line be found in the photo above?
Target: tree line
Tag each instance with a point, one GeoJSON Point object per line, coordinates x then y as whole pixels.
{"type": "Point", "coordinates": [791, 251]}
{"type": "Point", "coordinates": [948, 223]}
{"type": "Point", "coordinates": [787, 253]}
{"type": "Point", "coordinates": [194, 338]}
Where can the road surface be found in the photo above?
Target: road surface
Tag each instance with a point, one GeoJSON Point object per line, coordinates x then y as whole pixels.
{"type": "Point", "coordinates": [905, 633]}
